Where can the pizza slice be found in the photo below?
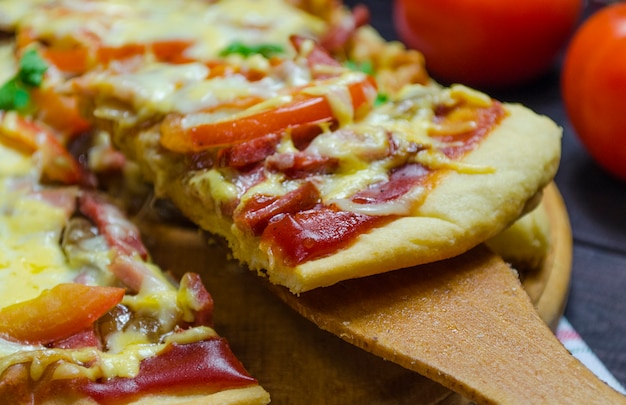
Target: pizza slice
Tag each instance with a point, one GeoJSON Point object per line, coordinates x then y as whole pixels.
{"type": "Point", "coordinates": [316, 181]}
{"type": "Point", "coordinates": [85, 317]}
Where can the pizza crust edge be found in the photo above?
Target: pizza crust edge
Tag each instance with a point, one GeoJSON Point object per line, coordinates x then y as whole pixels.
{"type": "Point", "coordinates": [461, 212]}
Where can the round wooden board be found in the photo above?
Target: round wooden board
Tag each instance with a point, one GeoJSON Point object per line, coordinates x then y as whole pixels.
{"type": "Point", "coordinates": [299, 363]}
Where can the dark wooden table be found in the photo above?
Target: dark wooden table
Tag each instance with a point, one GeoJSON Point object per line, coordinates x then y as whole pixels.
{"type": "Point", "coordinates": [596, 204]}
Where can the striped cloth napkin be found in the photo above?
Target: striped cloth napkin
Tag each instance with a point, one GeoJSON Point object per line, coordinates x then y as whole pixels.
{"type": "Point", "coordinates": [579, 349]}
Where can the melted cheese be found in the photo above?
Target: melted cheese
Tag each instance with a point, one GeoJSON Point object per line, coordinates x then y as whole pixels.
{"type": "Point", "coordinates": [30, 257]}
{"type": "Point", "coordinates": [399, 206]}
{"type": "Point", "coordinates": [155, 87]}
{"type": "Point", "coordinates": [213, 183]}
{"type": "Point", "coordinates": [161, 88]}
{"type": "Point", "coordinates": [338, 96]}
{"type": "Point", "coordinates": [31, 260]}
{"type": "Point", "coordinates": [7, 64]}
{"type": "Point", "coordinates": [361, 148]}
{"type": "Point", "coordinates": [12, 11]}
{"type": "Point", "coordinates": [211, 25]}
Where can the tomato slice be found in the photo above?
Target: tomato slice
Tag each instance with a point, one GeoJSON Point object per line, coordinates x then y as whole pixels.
{"type": "Point", "coordinates": [70, 60]}
{"type": "Point", "coordinates": [59, 111]}
{"type": "Point", "coordinates": [57, 313]}
{"type": "Point", "coordinates": [304, 109]}
{"type": "Point", "coordinates": [57, 163]}
{"type": "Point", "coordinates": [171, 50]}
{"type": "Point", "coordinates": [107, 54]}
{"type": "Point", "coordinates": [80, 58]}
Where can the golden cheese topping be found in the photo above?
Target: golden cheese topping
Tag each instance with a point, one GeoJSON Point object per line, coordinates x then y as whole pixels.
{"type": "Point", "coordinates": [160, 88]}
{"type": "Point", "coordinates": [211, 26]}
{"type": "Point", "coordinates": [7, 61]}
{"type": "Point", "coordinates": [32, 260]}
{"type": "Point", "coordinates": [361, 148]}
{"type": "Point", "coordinates": [35, 257]}
{"type": "Point", "coordinates": [12, 11]}
{"type": "Point", "coordinates": [30, 257]}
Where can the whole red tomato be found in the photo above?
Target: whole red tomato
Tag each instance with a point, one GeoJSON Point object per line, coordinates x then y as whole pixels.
{"type": "Point", "coordinates": [594, 86]}
{"type": "Point", "coordinates": [487, 43]}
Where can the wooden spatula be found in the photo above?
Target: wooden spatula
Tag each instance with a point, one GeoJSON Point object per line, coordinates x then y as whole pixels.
{"type": "Point", "coordinates": [466, 323]}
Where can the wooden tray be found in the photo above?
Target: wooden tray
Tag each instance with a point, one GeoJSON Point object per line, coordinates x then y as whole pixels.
{"type": "Point", "coordinates": [299, 363]}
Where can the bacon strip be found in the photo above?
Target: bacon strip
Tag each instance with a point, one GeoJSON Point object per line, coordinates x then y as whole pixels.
{"type": "Point", "coordinates": [247, 153]}
{"type": "Point", "coordinates": [199, 299]}
{"type": "Point", "coordinates": [198, 367]}
{"type": "Point", "coordinates": [339, 34]}
{"type": "Point", "coordinates": [128, 263]}
{"type": "Point", "coordinates": [120, 233]}
{"type": "Point", "coordinates": [257, 213]}
{"type": "Point", "coordinates": [301, 165]}
{"type": "Point", "coordinates": [307, 235]}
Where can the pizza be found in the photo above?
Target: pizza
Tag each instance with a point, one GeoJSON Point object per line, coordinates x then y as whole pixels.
{"type": "Point", "coordinates": [298, 151]}
{"type": "Point", "coordinates": [85, 316]}
{"type": "Point", "coordinates": [317, 150]}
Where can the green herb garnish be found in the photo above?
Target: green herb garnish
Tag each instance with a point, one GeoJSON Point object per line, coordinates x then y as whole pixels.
{"type": "Point", "coordinates": [32, 68]}
{"type": "Point", "coordinates": [365, 67]}
{"type": "Point", "coordinates": [14, 93]}
{"type": "Point", "coordinates": [381, 98]}
{"type": "Point", "coordinates": [13, 96]}
{"type": "Point", "coordinates": [266, 50]}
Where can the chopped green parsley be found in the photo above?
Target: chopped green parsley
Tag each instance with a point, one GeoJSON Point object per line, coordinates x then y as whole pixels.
{"type": "Point", "coordinates": [14, 93]}
{"type": "Point", "coordinates": [266, 50]}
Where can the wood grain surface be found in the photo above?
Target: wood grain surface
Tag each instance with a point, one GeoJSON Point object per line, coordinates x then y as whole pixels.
{"type": "Point", "coordinates": [295, 360]}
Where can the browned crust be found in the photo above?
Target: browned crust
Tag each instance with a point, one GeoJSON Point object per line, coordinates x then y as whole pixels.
{"type": "Point", "coordinates": [254, 395]}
